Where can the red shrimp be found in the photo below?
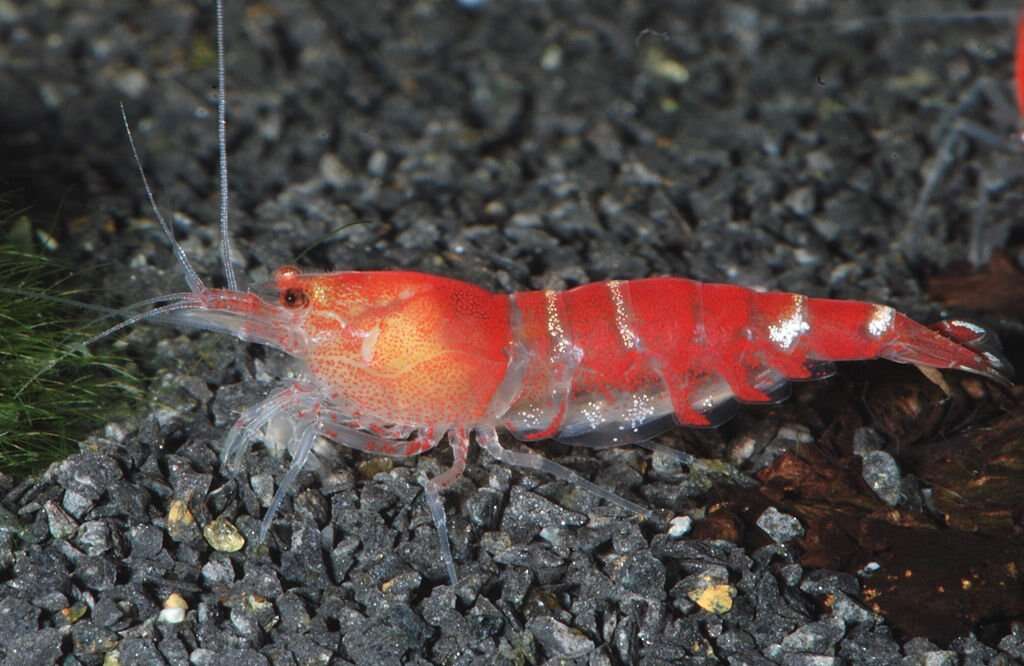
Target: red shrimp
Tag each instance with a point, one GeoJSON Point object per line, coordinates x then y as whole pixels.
{"type": "Point", "coordinates": [394, 362]}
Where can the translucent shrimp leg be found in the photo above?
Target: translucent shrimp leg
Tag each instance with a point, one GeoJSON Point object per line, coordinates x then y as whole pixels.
{"type": "Point", "coordinates": [432, 488]}
{"type": "Point", "coordinates": [300, 456]}
{"type": "Point", "coordinates": [296, 397]}
{"type": "Point", "coordinates": [425, 440]}
{"type": "Point", "coordinates": [488, 439]}
{"type": "Point", "coordinates": [253, 419]}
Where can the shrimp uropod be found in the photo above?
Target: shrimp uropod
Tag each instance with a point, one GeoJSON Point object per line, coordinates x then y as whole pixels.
{"type": "Point", "coordinates": [395, 362]}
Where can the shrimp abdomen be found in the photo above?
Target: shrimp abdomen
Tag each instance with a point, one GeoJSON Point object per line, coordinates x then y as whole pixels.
{"type": "Point", "coordinates": [634, 352]}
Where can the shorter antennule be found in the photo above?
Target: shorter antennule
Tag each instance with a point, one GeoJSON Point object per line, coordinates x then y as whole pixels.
{"type": "Point", "coordinates": [191, 277]}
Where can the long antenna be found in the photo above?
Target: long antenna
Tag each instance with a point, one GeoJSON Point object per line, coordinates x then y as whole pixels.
{"type": "Point", "coordinates": [222, 143]}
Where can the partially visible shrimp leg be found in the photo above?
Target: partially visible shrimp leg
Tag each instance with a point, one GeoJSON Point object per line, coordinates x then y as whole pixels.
{"type": "Point", "coordinates": [432, 488]}
{"type": "Point", "coordinates": [300, 455]}
{"type": "Point", "coordinates": [252, 421]}
{"type": "Point", "coordinates": [425, 440]}
{"type": "Point", "coordinates": [488, 439]}
{"type": "Point", "coordinates": [314, 427]}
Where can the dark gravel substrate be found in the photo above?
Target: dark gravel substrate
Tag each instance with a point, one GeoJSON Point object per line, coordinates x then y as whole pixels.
{"type": "Point", "coordinates": [776, 144]}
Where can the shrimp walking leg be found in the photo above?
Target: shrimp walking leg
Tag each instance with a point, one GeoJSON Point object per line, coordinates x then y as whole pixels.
{"type": "Point", "coordinates": [488, 439]}
{"type": "Point", "coordinates": [253, 420]}
{"type": "Point", "coordinates": [313, 428]}
{"type": "Point", "coordinates": [300, 457]}
{"type": "Point", "coordinates": [432, 488]}
{"type": "Point", "coordinates": [393, 448]}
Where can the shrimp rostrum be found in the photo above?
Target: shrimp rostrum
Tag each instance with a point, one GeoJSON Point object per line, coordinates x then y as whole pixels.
{"type": "Point", "coordinates": [396, 362]}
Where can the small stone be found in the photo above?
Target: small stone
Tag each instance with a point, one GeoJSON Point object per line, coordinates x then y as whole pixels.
{"type": "Point", "coordinates": [188, 484]}
{"type": "Point", "coordinates": [715, 598]}
{"type": "Point", "coordinates": [641, 573]}
{"type": "Point", "coordinates": [808, 660]}
{"type": "Point", "coordinates": [94, 537]}
{"type": "Point", "coordinates": [368, 469]}
{"type": "Point", "coordinates": [50, 601]}
{"type": "Point", "coordinates": [528, 513]}
{"type": "Point", "coordinates": [294, 616]}
{"type": "Point", "coordinates": [9, 522]}
{"type": "Point", "coordinates": [882, 475]}
{"type": "Point", "coordinates": [334, 170]}
{"type": "Point", "coordinates": [932, 658]}
{"type": "Point", "coordinates": [62, 526]}
{"type": "Point", "coordinates": [223, 536]}
{"type": "Point", "coordinates": [146, 540]}
{"type": "Point", "coordinates": [74, 613]}
{"type": "Point", "coordinates": [791, 574]}
{"type": "Point", "coordinates": [262, 610]}
{"type": "Point", "coordinates": [559, 640]}
{"type": "Point", "coordinates": [816, 637]}
{"type": "Point", "coordinates": [820, 582]}
{"type": "Point", "coordinates": [76, 504]}
{"type": "Point", "coordinates": [402, 587]}
{"type": "Point", "coordinates": [680, 526]}
{"type": "Point", "coordinates": [377, 165]}
{"type": "Point", "coordinates": [781, 527]}
{"type": "Point", "coordinates": [174, 650]}
{"type": "Point", "coordinates": [88, 475]}
{"type": "Point", "coordinates": [218, 572]}
{"type": "Point", "coordinates": [1013, 643]}
{"type": "Point", "coordinates": [88, 639]}
{"type": "Point", "coordinates": [484, 508]}
{"type": "Point", "coordinates": [174, 610]}
{"type": "Point", "coordinates": [131, 82]}
{"type": "Point", "coordinates": [848, 610]}
{"type": "Point", "coordinates": [109, 613]}
{"type": "Point", "coordinates": [551, 58]}
{"type": "Point", "coordinates": [709, 589]}
{"type": "Point", "coordinates": [660, 63]}
{"type": "Point", "coordinates": [627, 538]}
{"type": "Point", "coordinates": [866, 440]}
{"type": "Point", "coordinates": [263, 486]}
{"type": "Point", "coordinates": [96, 573]}
{"type": "Point", "coordinates": [801, 201]}
{"type": "Point", "coordinates": [138, 651]}
{"type": "Point", "coordinates": [180, 521]}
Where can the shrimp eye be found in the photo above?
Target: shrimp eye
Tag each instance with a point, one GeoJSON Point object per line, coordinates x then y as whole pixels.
{"type": "Point", "coordinates": [294, 298]}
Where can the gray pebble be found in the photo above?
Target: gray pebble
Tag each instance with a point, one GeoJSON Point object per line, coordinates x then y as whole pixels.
{"type": "Point", "coordinates": [882, 475]}
{"type": "Point", "coordinates": [781, 527]}
{"type": "Point", "coordinates": [62, 526]}
{"type": "Point", "coordinates": [558, 639]}
{"type": "Point", "coordinates": [94, 537]}
{"type": "Point", "coordinates": [816, 637]}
